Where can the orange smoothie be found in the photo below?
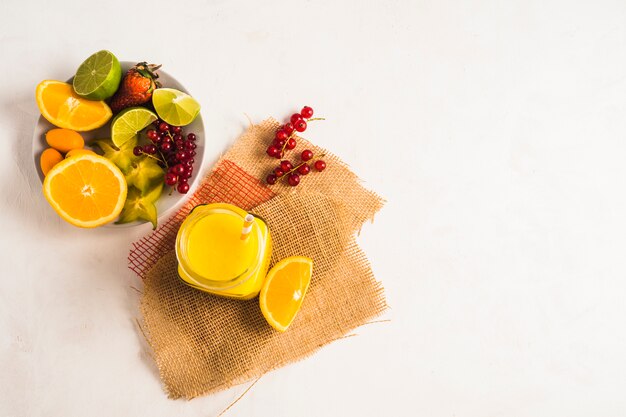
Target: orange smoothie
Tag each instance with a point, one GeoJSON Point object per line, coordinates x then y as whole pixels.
{"type": "Point", "coordinates": [214, 257]}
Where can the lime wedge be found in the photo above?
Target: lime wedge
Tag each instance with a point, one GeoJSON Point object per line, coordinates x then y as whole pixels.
{"type": "Point", "coordinates": [98, 77]}
{"type": "Point", "coordinates": [175, 107]}
{"type": "Point", "coordinates": [128, 122]}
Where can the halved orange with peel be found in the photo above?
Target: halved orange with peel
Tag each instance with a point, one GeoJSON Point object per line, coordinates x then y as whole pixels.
{"type": "Point", "coordinates": [62, 107]}
{"type": "Point", "coordinates": [284, 289]}
{"type": "Point", "coordinates": [86, 190]}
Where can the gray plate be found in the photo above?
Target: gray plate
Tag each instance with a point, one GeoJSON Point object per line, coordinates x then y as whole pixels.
{"type": "Point", "coordinates": [167, 203]}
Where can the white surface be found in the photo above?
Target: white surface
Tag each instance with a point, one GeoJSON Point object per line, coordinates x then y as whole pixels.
{"type": "Point", "coordinates": [498, 125]}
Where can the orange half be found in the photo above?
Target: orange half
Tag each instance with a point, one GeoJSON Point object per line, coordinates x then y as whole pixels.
{"type": "Point", "coordinates": [86, 190]}
{"type": "Point", "coordinates": [284, 289]}
{"type": "Point", "coordinates": [62, 107]}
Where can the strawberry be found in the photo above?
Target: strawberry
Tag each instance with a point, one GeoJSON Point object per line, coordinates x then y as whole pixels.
{"type": "Point", "coordinates": [136, 87]}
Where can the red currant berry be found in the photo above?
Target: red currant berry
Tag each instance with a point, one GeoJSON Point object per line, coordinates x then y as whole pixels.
{"type": "Point", "coordinates": [183, 188]}
{"type": "Point", "coordinates": [285, 166]}
{"type": "Point", "coordinates": [281, 134]}
{"type": "Point", "coordinates": [278, 172]}
{"type": "Point", "coordinates": [152, 135]}
{"type": "Point", "coordinates": [190, 161]}
{"type": "Point", "coordinates": [271, 179]}
{"type": "Point", "coordinates": [294, 179]}
{"type": "Point", "coordinates": [188, 172]}
{"type": "Point", "coordinates": [176, 129]}
{"type": "Point", "coordinates": [178, 169]}
{"type": "Point", "coordinates": [191, 137]}
{"type": "Point", "coordinates": [273, 151]}
{"type": "Point", "coordinates": [291, 143]}
{"type": "Point", "coordinates": [166, 139]}
{"type": "Point", "coordinates": [171, 178]}
{"type": "Point", "coordinates": [137, 150]}
{"type": "Point", "coordinates": [189, 146]}
{"type": "Point", "coordinates": [320, 165]}
{"type": "Point", "coordinates": [150, 149]}
{"type": "Point", "coordinates": [304, 169]}
{"type": "Point", "coordinates": [191, 154]}
{"type": "Point", "coordinates": [279, 143]}
{"type": "Point", "coordinates": [296, 117]}
{"type": "Point", "coordinates": [306, 155]}
{"type": "Point", "coordinates": [300, 126]}
{"type": "Point", "coordinates": [164, 127]}
{"type": "Point", "coordinates": [289, 128]}
{"type": "Point", "coordinates": [181, 155]}
{"type": "Point", "coordinates": [177, 137]}
{"type": "Point", "coordinates": [166, 146]}
{"type": "Point", "coordinates": [307, 112]}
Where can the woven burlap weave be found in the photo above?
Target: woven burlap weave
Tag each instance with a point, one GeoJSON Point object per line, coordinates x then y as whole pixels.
{"type": "Point", "coordinates": [202, 343]}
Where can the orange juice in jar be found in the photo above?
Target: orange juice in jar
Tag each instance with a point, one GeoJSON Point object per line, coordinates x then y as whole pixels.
{"type": "Point", "coordinates": [223, 250]}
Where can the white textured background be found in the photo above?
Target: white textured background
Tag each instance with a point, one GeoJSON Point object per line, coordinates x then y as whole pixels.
{"type": "Point", "coordinates": [495, 129]}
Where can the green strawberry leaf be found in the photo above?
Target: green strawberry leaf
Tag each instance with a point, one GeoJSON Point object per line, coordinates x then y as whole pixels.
{"type": "Point", "coordinates": [123, 156]}
{"type": "Point", "coordinates": [141, 207]}
{"type": "Point", "coordinates": [144, 173]}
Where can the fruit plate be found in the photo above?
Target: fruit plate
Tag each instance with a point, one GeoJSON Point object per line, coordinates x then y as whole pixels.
{"type": "Point", "coordinates": [168, 201]}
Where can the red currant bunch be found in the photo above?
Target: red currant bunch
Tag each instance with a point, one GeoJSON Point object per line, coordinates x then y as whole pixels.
{"type": "Point", "coordinates": [174, 150]}
{"type": "Point", "coordinates": [294, 173]}
{"type": "Point", "coordinates": [284, 138]}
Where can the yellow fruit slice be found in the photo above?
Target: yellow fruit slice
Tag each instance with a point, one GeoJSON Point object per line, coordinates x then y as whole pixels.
{"type": "Point", "coordinates": [284, 290]}
{"type": "Point", "coordinates": [86, 190]}
{"type": "Point", "coordinates": [62, 107]}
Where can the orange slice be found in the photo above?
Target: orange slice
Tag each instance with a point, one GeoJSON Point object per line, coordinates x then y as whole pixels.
{"type": "Point", "coordinates": [284, 290]}
{"type": "Point", "coordinates": [62, 107]}
{"type": "Point", "coordinates": [86, 190]}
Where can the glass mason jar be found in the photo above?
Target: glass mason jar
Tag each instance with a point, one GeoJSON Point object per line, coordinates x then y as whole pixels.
{"type": "Point", "coordinates": [218, 252]}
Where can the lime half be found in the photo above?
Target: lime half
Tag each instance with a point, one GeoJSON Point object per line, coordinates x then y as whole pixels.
{"type": "Point", "coordinates": [125, 125]}
{"type": "Point", "coordinates": [98, 77]}
{"type": "Point", "coordinates": [175, 107]}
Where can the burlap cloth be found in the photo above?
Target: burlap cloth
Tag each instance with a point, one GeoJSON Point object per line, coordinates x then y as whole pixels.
{"type": "Point", "coordinates": [202, 343]}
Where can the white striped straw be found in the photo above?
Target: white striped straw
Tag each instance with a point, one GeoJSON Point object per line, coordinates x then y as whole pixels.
{"type": "Point", "coordinates": [247, 226]}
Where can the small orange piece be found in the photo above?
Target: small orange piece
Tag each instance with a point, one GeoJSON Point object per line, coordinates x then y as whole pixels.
{"type": "Point", "coordinates": [75, 152]}
{"type": "Point", "coordinates": [62, 107]}
{"type": "Point", "coordinates": [86, 190]}
{"type": "Point", "coordinates": [49, 158]}
{"type": "Point", "coordinates": [64, 140]}
{"type": "Point", "coordinates": [284, 290]}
